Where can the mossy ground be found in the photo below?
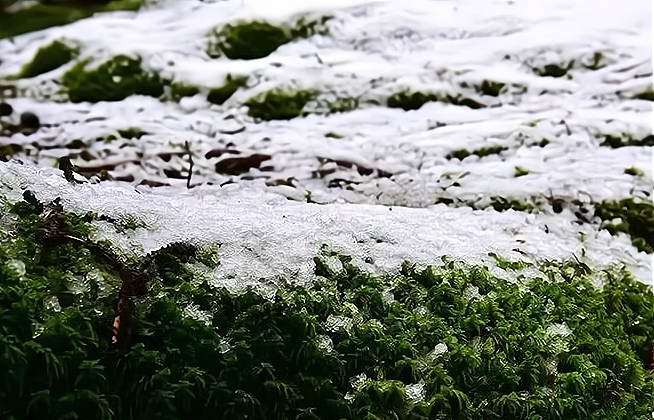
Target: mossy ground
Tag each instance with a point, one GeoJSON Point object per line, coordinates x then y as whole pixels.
{"type": "Point", "coordinates": [56, 13]}
{"type": "Point", "coordinates": [255, 39]}
{"type": "Point", "coordinates": [48, 58]}
{"type": "Point", "coordinates": [279, 104]}
{"type": "Point", "coordinates": [630, 216]}
{"type": "Point", "coordinates": [448, 342]}
{"type": "Point", "coordinates": [113, 80]}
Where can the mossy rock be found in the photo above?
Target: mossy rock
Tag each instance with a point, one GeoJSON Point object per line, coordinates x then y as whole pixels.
{"type": "Point", "coordinates": [219, 95]}
{"type": "Point", "coordinates": [279, 104]}
{"type": "Point", "coordinates": [256, 39]}
{"type": "Point", "coordinates": [48, 58]}
{"type": "Point", "coordinates": [479, 346]}
{"type": "Point", "coordinates": [56, 13]}
{"type": "Point", "coordinates": [114, 80]}
{"type": "Point", "coordinates": [636, 218]}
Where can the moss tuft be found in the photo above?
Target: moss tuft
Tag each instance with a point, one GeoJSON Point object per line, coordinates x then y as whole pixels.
{"type": "Point", "coordinates": [630, 216]}
{"type": "Point", "coordinates": [627, 140]}
{"type": "Point", "coordinates": [520, 171]}
{"type": "Point", "coordinates": [48, 58]}
{"type": "Point", "coordinates": [113, 80]}
{"type": "Point", "coordinates": [415, 100]}
{"type": "Point", "coordinates": [554, 70]}
{"type": "Point", "coordinates": [634, 171]}
{"type": "Point", "coordinates": [481, 152]}
{"type": "Point", "coordinates": [490, 88]}
{"type": "Point", "coordinates": [180, 90]}
{"type": "Point", "coordinates": [131, 133]}
{"type": "Point", "coordinates": [253, 40]}
{"type": "Point", "coordinates": [57, 12]}
{"type": "Point", "coordinates": [278, 104]}
{"type": "Point", "coordinates": [219, 95]}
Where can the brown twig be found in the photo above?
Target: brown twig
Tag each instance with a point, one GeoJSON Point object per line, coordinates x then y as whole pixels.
{"type": "Point", "coordinates": [190, 160]}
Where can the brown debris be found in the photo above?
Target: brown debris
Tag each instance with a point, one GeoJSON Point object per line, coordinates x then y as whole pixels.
{"type": "Point", "coordinates": [219, 152]}
{"type": "Point", "coordinates": [240, 165]}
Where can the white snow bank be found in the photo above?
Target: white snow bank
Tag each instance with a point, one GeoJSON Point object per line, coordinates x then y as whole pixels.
{"type": "Point", "coordinates": [264, 238]}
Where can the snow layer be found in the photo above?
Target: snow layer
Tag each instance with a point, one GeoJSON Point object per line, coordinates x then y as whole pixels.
{"type": "Point", "coordinates": [265, 238]}
{"type": "Point", "coordinates": [373, 49]}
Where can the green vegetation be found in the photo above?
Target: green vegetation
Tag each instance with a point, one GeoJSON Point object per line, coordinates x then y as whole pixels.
{"type": "Point", "coordinates": [451, 342]}
{"type": "Point", "coordinates": [481, 152]}
{"type": "Point", "coordinates": [131, 133]}
{"type": "Point", "coordinates": [278, 104]}
{"type": "Point", "coordinates": [633, 171]}
{"type": "Point", "coordinates": [490, 88]}
{"type": "Point", "coordinates": [504, 204]}
{"type": "Point", "coordinates": [630, 216]}
{"type": "Point", "coordinates": [646, 95]}
{"type": "Point", "coordinates": [48, 58]}
{"type": "Point", "coordinates": [415, 100]}
{"type": "Point", "coordinates": [179, 90]}
{"type": "Point", "coordinates": [219, 95]}
{"type": "Point", "coordinates": [520, 171]}
{"type": "Point", "coordinates": [113, 80]}
{"type": "Point", "coordinates": [627, 140]}
{"type": "Point", "coordinates": [253, 40]}
{"type": "Point", "coordinates": [55, 13]}
{"type": "Point", "coordinates": [554, 70]}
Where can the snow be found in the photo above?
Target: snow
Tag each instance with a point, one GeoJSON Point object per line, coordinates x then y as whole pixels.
{"type": "Point", "coordinates": [374, 49]}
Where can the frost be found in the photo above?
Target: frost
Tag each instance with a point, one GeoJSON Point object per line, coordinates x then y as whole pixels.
{"type": "Point", "coordinates": [16, 266]}
{"type": "Point", "coordinates": [336, 323]}
{"type": "Point", "coordinates": [416, 392]}
{"type": "Point", "coordinates": [325, 343]}
{"type": "Point", "coordinates": [52, 304]}
{"type": "Point", "coordinates": [558, 329]}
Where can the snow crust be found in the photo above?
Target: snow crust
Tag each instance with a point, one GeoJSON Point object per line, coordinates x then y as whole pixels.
{"type": "Point", "coordinates": [265, 238]}
{"type": "Point", "coordinates": [374, 49]}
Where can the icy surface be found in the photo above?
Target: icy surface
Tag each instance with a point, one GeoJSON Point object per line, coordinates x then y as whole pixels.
{"type": "Point", "coordinates": [373, 50]}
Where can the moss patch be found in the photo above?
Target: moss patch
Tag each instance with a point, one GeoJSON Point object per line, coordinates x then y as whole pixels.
{"type": "Point", "coordinates": [48, 58]}
{"type": "Point", "coordinates": [219, 95]}
{"type": "Point", "coordinates": [481, 152]}
{"type": "Point", "coordinates": [504, 204]}
{"type": "Point", "coordinates": [113, 80]}
{"type": "Point", "coordinates": [415, 100]}
{"type": "Point", "coordinates": [279, 104]}
{"type": "Point", "coordinates": [627, 140]}
{"type": "Point", "coordinates": [554, 70]}
{"type": "Point", "coordinates": [490, 88]}
{"type": "Point", "coordinates": [253, 40]}
{"type": "Point", "coordinates": [449, 342]}
{"type": "Point", "coordinates": [520, 171]}
{"type": "Point", "coordinates": [180, 90]}
{"type": "Point", "coordinates": [131, 133]}
{"type": "Point", "coordinates": [630, 216]}
{"type": "Point", "coordinates": [633, 171]}
{"type": "Point", "coordinates": [56, 13]}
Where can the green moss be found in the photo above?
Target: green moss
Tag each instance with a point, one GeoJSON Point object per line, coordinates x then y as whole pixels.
{"type": "Point", "coordinates": [415, 100]}
{"type": "Point", "coordinates": [627, 140]}
{"type": "Point", "coordinates": [554, 70]}
{"type": "Point", "coordinates": [520, 171]}
{"type": "Point", "coordinates": [219, 95]}
{"type": "Point", "coordinates": [180, 90]}
{"type": "Point", "coordinates": [131, 133]}
{"type": "Point", "coordinates": [490, 88]}
{"type": "Point", "coordinates": [634, 171]}
{"type": "Point", "coordinates": [7, 151]}
{"type": "Point", "coordinates": [113, 80]}
{"type": "Point", "coordinates": [481, 346]}
{"type": "Point", "coordinates": [253, 40]}
{"type": "Point", "coordinates": [55, 13]}
{"type": "Point", "coordinates": [634, 217]}
{"type": "Point", "coordinates": [504, 204]}
{"type": "Point", "coordinates": [481, 152]}
{"type": "Point", "coordinates": [48, 58]}
{"type": "Point", "coordinates": [279, 104]}
{"type": "Point", "coordinates": [647, 95]}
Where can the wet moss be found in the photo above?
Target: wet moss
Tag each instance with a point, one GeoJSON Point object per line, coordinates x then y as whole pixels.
{"type": "Point", "coordinates": [48, 58]}
{"type": "Point", "coordinates": [348, 346]}
{"type": "Point", "coordinates": [626, 141]}
{"type": "Point", "coordinates": [481, 152]}
{"type": "Point", "coordinates": [415, 100]}
{"type": "Point", "coordinates": [256, 39]}
{"type": "Point", "coordinates": [113, 80]}
{"type": "Point", "coordinates": [219, 95]}
{"type": "Point", "coordinates": [55, 13]}
{"type": "Point", "coordinates": [631, 216]}
{"type": "Point", "coordinates": [279, 104]}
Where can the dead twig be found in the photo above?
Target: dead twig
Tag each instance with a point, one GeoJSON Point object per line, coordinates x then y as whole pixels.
{"type": "Point", "coordinates": [190, 160]}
